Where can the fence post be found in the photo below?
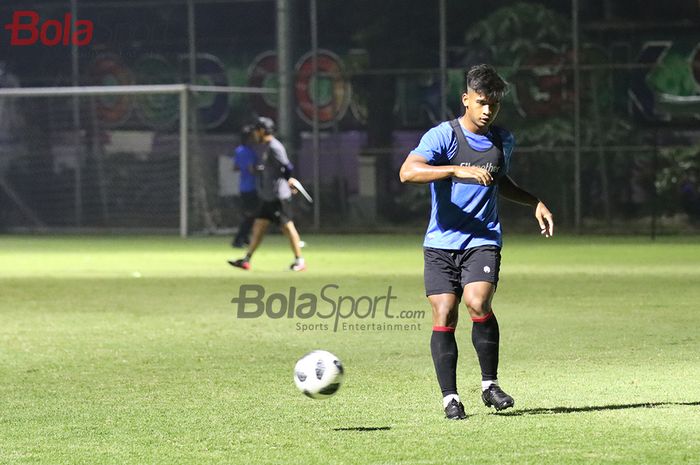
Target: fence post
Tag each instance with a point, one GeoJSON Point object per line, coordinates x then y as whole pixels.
{"type": "Point", "coordinates": [184, 112]}
{"type": "Point", "coordinates": [577, 117]}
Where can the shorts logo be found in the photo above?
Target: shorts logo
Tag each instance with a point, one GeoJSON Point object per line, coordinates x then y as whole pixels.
{"type": "Point", "coordinates": [487, 269]}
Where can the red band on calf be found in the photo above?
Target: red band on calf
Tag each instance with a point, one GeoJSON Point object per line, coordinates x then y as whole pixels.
{"type": "Point", "coordinates": [444, 329]}
{"type": "Point", "coordinates": [483, 318]}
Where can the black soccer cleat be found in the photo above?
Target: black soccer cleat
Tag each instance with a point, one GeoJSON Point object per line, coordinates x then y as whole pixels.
{"type": "Point", "coordinates": [455, 411]}
{"type": "Point", "coordinates": [496, 398]}
{"type": "Point", "coordinates": [241, 263]}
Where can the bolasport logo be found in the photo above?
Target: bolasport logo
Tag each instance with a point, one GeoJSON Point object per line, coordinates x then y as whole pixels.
{"type": "Point", "coordinates": [28, 28]}
{"type": "Point", "coordinates": [328, 309]}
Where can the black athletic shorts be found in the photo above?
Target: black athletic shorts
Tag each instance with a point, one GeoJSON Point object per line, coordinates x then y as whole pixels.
{"type": "Point", "coordinates": [448, 271]}
{"type": "Point", "coordinates": [249, 203]}
{"type": "Point", "coordinates": [278, 211]}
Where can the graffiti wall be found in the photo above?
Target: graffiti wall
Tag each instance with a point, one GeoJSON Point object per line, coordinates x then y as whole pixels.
{"type": "Point", "coordinates": [664, 85]}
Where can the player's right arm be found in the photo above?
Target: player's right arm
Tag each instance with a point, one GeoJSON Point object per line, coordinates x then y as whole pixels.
{"type": "Point", "coordinates": [430, 160]}
{"type": "Point", "coordinates": [416, 169]}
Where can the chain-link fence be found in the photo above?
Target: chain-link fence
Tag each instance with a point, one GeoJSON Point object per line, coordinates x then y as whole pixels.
{"type": "Point", "coordinates": [604, 106]}
{"type": "Point", "coordinates": [115, 158]}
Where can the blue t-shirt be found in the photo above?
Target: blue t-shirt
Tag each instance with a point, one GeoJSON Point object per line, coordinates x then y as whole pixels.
{"type": "Point", "coordinates": [473, 221]}
{"type": "Point", "coordinates": [245, 159]}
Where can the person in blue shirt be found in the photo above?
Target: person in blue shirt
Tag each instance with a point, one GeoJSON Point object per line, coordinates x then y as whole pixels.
{"type": "Point", "coordinates": [245, 162]}
{"type": "Point", "coordinates": [466, 162]}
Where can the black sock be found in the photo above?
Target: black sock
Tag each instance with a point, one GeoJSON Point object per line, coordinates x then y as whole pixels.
{"type": "Point", "coordinates": [485, 337]}
{"type": "Point", "coordinates": [443, 347]}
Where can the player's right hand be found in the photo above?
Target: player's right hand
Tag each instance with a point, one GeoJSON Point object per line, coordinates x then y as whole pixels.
{"type": "Point", "coordinates": [292, 187]}
{"type": "Point", "coordinates": [481, 176]}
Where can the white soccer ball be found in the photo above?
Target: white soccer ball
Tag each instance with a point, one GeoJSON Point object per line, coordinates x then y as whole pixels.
{"type": "Point", "coordinates": [318, 374]}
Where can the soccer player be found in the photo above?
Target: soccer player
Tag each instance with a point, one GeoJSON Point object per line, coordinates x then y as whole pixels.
{"type": "Point", "coordinates": [245, 162]}
{"type": "Point", "coordinates": [274, 177]}
{"type": "Point", "coordinates": [466, 162]}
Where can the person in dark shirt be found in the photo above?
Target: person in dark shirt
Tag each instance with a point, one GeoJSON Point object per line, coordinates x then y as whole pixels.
{"type": "Point", "coordinates": [274, 180]}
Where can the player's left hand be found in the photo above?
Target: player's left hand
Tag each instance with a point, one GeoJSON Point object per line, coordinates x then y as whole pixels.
{"type": "Point", "coordinates": [545, 219]}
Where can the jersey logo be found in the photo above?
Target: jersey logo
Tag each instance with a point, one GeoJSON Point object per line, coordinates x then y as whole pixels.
{"type": "Point", "coordinates": [490, 167]}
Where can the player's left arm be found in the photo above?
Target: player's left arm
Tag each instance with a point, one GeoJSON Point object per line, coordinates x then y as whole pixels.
{"type": "Point", "coordinates": [236, 161]}
{"type": "Point", "coordinates": [511, 191]}
{"type": "Point", "coordinates": [508, 189]}
{"type": "Point", "coordinates": [286, 166]}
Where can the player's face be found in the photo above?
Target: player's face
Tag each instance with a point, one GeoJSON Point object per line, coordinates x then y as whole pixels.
{"type": "Point", "coordinates": [481, 111]}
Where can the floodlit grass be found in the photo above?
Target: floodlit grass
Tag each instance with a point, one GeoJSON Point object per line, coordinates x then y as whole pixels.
{"type": "Point", "coordinates": [129, 351]}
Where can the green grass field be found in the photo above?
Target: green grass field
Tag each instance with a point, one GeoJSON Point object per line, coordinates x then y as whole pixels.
{"type": "Point", "coordinates": [129, 351]}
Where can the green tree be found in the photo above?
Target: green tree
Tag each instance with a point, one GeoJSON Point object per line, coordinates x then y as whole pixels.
{"type": "Point", "coordinates": [531, 44]}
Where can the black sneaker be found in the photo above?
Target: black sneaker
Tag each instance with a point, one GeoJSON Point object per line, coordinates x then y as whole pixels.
{"type": "Point", "coordinates": [495, 397]}
{"type": "Point", "coordinates": [241, 263]}
{"type": "Point", "coordinates": [455, 411]}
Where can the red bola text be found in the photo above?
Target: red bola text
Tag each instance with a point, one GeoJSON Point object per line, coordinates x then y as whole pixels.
{"type": "Point", "coordinates": [27, 28]}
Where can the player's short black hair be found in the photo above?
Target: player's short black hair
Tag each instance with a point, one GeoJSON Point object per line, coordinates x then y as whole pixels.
{"type": "Point", "coordinates": [246, 133]}
{"type": "Point", "coordinates": [485, 80]}
{"type": "Point", "coordinates": [265, 123]}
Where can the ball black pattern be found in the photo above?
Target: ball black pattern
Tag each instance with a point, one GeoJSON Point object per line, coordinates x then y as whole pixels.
{"type": "Point", "coordinates": [330, 389]}
{"type": "Point", "coordinates": [320, 369]}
